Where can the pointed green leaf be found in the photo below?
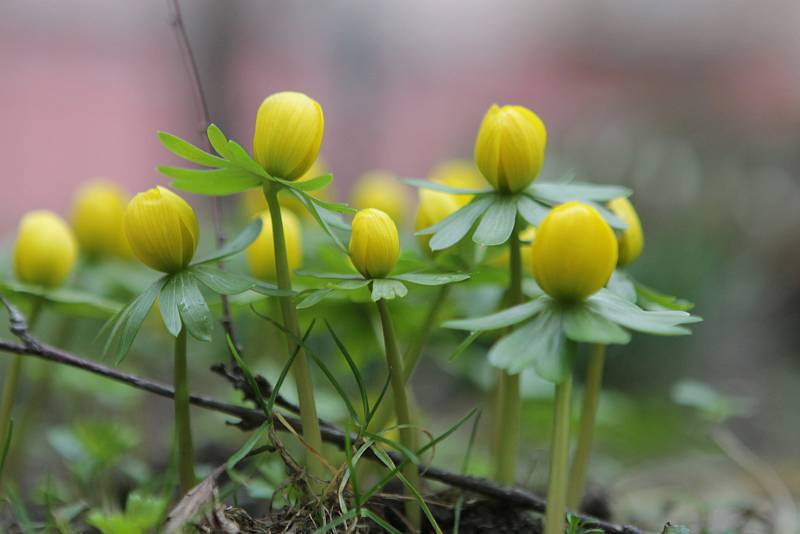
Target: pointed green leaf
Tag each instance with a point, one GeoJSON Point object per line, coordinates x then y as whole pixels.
{"type": "Point", "coordinates": [613, 221]}
{"type": "Point", "coordinates": [193, 308]}
{"type": "Point", "coordinates": [583, 324]}
{"type": "Point", "coordinates": [384, 288]}
{"type": "Point", "coordinates": [69, 301]}
{"type": "Point", "coordinates": [314, 183]}
{"type": "Point", "coordinates": [436, 186]}
{"type": "Point", "coordinates": [558, 193]}
{"type": "Point", "coordinates": [453, 228]}
{"type": "Point", "coordinates": [215, 182]}
{"type": "Point", "coordinates": [237, 244]}
{"type": "Point", "coordinates": [218, 140]}
{"type": "Point", "coordinates": [334, 207]}
{"type": "Point", "coordinates": [539, 344]}
{"type": "Point", "coordinates": [464, 345]}
{"type": "Point", "coordinates": [126, 324]}
{"type": "Point", "coordinates": [222, 282]}
{"type": "Point", "coordinates": [629, 315]}
{"type": "Point", "coordinates": [651, 299]}
{"type": "Point", "coordinates": [501, 319]}
{"type": "Point", "coordinates": [497, 223]}
{"type": "Point", "coordinates": [321, 215]}
{"type": "Point", "coordinates": [168, 305]}
{"type": "Point", "coordinates": [431, 279]}
{"type": "Point", "coordinates": [362, 390]}
{"type": "Point", "coordinates": [240, 158]}
{"type": "Point", "coordinates": [533, 212]}
{"type": "Point", "coordinates": [622, 284]}
{"type": "Point", "coordinates": [312, 298]}
{"type": "Point", "coordinates": [329, 276]}
{"type": "Point", "coordinates": [188, 151]}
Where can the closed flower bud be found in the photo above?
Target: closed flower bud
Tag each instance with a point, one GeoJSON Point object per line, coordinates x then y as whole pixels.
{"type": "Point", "coordinates": [382, 191]}
{"type": "Point", "coordinates": [574, 252]}
{"type": "Point", "coordinates": [161, 229]}
{"type": "Point", "coordinates": [433, 207]}
{"type": "Point", "coordinates": [631, 240]}
{"type": "Point", "coordinates": [374, 244]}
{"type": "Point", "coordinates": [45, 250]}
{"type": "Point", "coordinates": [288, 134]}
{"type": "Point", "coordinates": [261, 252]}
{"type": "Point", "coordinates": [509, 149]}
{"type": "Point", "coordinates": [459, 173]}
{"type": "Point", "coordinates": [97, 215]}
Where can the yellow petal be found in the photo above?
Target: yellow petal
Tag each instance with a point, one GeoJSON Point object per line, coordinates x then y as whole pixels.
{"type": "Point", "coordinates": [631, 240]}
{"type": "Point", "coordinates": [97, 219]}
{"type": "Point", "coordinates": [288, 134]}
{"type": "Point", "coordinates": [374, 243]}
{"type": "Point", "coordinates": [162, 229]}
{"type": "Point", "coordinates": [574, 252]}
{"type": "Point", "coordinates": [510, 147]}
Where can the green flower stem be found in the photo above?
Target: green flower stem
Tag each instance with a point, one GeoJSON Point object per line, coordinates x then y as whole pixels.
{"type": "Point", "coordinates": [591, 396]}
{"type": "Point", "coordinates": [559, 456]}
{"type": "Point", "coordinates": [12, 381]}
{"type": "Point", "coordinates": [508, 404]}
{"type": "Point", "coordinates": [183, 425]}
{"type": "Point", "coordinates": [408, 437]}
{"type": "Point", "coordinates": [412, 356]}
{"type": "Point", "coordinates": [300, 368]}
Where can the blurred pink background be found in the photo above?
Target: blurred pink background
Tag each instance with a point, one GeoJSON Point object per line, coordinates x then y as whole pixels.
{"type": "Point", "coordinates": [86, 84]}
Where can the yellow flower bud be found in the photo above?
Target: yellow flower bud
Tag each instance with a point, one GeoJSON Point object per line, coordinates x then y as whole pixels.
{"type": "Point", "coordinates": [374, 244]}
{"type": "Point", "coordinates": [161, 229]}
{"type": "Point", "coordinates": [254, 202]}
{"type": "Point", "coordinates": [97, 214]}
{"type": "Point", "coordinates": [631, 240]}
{"type": "Point", "coordinates": [261, 252]}
{"type": "Point", "coordinates": [382, 191]}
{"type": "Point", "coordinates": [574, 253]}
{"type": "Point", "coordinates": [433, 207]}
{"type": "Point", "coordinates": [509, 149]}
{"type": "Point", "coordinates": [459, 173]}
{"type": "Point", "coordinates": [288, 134]}
{"type": "Point", "coordinates": [45, 250]}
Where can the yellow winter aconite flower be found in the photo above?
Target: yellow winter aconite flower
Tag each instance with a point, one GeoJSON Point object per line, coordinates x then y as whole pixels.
{"type": "Point", "coordinates": [97, 215]}
{"type": "Point", "coordinates": [459, 173]}
{"type": "Point", "coordinates": [631, 240]}
{"type": "Point", "coordinates": [433, 207]}
{"type": "Point", "coordinates": [261, 253]}
{"type": "Point", "coordinates": [509, 149]}
{"type": "Point", "coordinates": [288, 134]}
{"type": "Point", "coordinates": [45, 250]}
{"type": "Point", "coordinates": [254, 202]}
{"type": "Point", "coordinates": [381, 190]}
{"type": "Point", "coordinates": [374, 244]}
{"type": "Point", "coordinates": [574, 253]}
{"type": "Point", "coordinates": [161, 229]}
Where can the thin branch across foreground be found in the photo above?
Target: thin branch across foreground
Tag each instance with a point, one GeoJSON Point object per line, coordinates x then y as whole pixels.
{"type": "Point", "coordinates": [251, 418]}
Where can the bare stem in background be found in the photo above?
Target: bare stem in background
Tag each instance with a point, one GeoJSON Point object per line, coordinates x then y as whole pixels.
{"type": "Point", "coordinates": [202, 104]}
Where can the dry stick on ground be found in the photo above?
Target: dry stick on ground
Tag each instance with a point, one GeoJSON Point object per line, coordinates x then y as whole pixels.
{"type": "Point", "coordinates": [202, 104]}
{"type": "Point", "coordinates": [251, 419]}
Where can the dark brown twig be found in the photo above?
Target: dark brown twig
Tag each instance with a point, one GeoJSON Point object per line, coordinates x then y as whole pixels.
{"type": "Point", "coordinates": [202, 104]}
{"type": "Point", "coordinates": [250, 418]}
